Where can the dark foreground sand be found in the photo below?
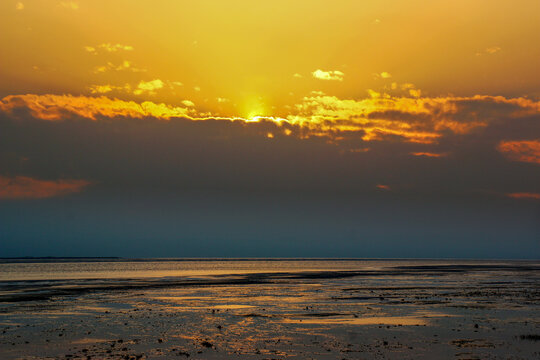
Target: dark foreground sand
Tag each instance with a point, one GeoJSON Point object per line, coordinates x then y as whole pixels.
{"type": "Point", "coordinates": [438, 312]}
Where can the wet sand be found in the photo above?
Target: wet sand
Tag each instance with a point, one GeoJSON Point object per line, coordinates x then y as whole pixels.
{"type": "Point", "coordinates": [477, 311]}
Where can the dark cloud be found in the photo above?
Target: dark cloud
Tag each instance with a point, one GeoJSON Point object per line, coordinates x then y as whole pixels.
{"type": "Point", "coordinates": [224, 186]}
{"type": "Point", "coordinates": [181, 154]}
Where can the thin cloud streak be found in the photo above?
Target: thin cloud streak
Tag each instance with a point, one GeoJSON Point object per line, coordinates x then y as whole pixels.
{"type": "Point", "coordinates": [524, 195]}
{"type": "Point", "coordinates": [23, 187]}
{"type": "Point", "coordinates": [429, 154]}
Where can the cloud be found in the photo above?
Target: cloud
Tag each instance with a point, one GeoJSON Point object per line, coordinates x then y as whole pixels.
{"type": "Point", "coordinates": [360, 150]}
{"type": "Point", "coordinates": [493, 49]}
{"type": "Point", "coordinates": [415, 92]}
{"type": "Point", "coordinates": [108, 47]}
{"type": "Point", "coordinates": [19, 6]}
{"type": "Point", "coordinates": [115, 47]}
{"type": "Point", "coordinates": [383, 75]}
{"type": "Point", "coordinates": [382, 187]}
{"type": "Point", "coordinates": [524, 195]}
{"type": "Point", "coordinates": [423, 120]}
{"type": "Point", "coordinates": [22, 187]}
{"type": "Point", "coordinates": [489, 51]}
{"type": "Point", "coordinates": [72, 5]}
{"type": "Point", "coordinates": [146, 159]}
{"type": "Point", "coordinates": [331, 145]}
{"type": "Point", "coordinates": [59, 107]}
{"type": "Point", "coordinates": [413, 119]}
{"type": "Point", "coordinates": [428, 154]}
{"type": "Point", "coordinates": [523, 150]}
{"type": "Point", "coordinates": [408, 88]}
{"type": "Point", "coordinates": [124, 66]}
{"type": "Point", "coordinates": [297, 75]}
{"type": "Point", "coordinates": [101, 89]}
{"type": "Point", "coordinates": [149, 86]}
{"type": "Point", "coordinates": [188, 103]}
{"type": "Point", "coordinates": [328, 75]}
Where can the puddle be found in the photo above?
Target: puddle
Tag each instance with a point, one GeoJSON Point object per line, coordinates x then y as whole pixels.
{"type": "Point", "coordinates": [386, 320]}
{"type": "Point", "coordinates": [89, 341]}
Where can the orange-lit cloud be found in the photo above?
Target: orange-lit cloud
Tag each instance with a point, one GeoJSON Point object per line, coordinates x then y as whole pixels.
{"type": "Point", "coordinates": [371, 116]}
{"type": "Point", "coordinates": [525, 150]}
{"type": "Point", "coordinates": [415, 119]}
{"type": "Point", "coordinates": [422, 120]}
{"type": "Point", "coordinates": [524, 195]}
{"type": "Point", "coordinates": [19, 6]}
{"type": "Point", "coordinates": [328, 75]}
{"type": "Point", "coordinates": [22, 187]}
{"type": "Point", "coordinates": [368, 142]}
{"type": "Point", "coordinates": [360, 150]}
{"type": "Point", "coordinates": [428, 154]}
{"type": "Point", "coordinates": [58, 107]}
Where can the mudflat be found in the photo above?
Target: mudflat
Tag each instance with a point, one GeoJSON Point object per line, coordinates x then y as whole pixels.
{"type": "Point", "coordinates": [327, 310]}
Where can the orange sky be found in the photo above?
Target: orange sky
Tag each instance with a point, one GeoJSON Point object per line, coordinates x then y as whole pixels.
{"type": "Point", "coordinates": [415, 71]}
{"type": "Point", "coordinates": [369, 128]}
{"type": "Point", "coordinates": [238, 58]}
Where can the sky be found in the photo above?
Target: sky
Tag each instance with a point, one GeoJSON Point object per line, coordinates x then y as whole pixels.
{"type": "Point", "coordinates": [242, 128]}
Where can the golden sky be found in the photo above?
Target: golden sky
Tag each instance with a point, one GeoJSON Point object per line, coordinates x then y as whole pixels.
{"type": "Point", "coordinates": [376, 128]}
{"type": "Point", "coordinates": [245, 58]}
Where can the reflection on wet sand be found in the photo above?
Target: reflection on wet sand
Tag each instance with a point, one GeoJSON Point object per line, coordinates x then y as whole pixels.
{"type": "Point", "coordinates": [388, 320]}
{"type": "Point", "coordinates": [415, 313]}
{"type": "Point", "coordinates": [232, 306]}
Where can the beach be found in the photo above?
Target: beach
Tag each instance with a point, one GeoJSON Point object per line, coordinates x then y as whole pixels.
{"type": "Point", "coordinates": [269, 309]}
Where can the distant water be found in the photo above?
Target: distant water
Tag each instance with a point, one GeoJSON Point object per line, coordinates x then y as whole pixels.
{"type": "Point", "coordinates": [38, 280]}
{"type": "Point", "coordinates": [71, 269]}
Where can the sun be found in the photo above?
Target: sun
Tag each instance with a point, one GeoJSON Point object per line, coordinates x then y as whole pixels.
{"type": "Point", "coordinates": [254, 107]}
